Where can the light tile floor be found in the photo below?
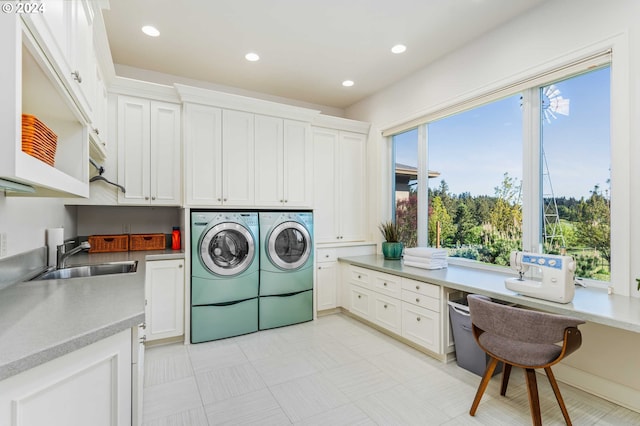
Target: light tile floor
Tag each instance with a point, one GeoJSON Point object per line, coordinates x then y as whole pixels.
{"type": "Point", "coordinates": [338, 371]}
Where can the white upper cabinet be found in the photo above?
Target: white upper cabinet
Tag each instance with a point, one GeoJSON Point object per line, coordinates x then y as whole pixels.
{"type": "Point", "coordinates": [219, 146]}
{"type": "Point", "coordinates": [149, 161]}
{"type": "Point", "coordinates": [203, 154]}
{"type": "Point", "coordinates": [284, 166]}
{"type": "Point", "coordinates": [339, 185]}
{"type": "Point", "coordinates": [99, 125]}
{"type": "Point", "coordinates": [238, 158]}
{"type": "Point", "coordinates": [65, 30]}
{"type": "Point", "coordinates": [245, 152]}
{"type": "Point", "coordinates": [30, 85]}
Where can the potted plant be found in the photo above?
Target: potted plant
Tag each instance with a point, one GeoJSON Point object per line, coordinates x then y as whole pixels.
{"type": "Point", "coordinates": [392, 247]}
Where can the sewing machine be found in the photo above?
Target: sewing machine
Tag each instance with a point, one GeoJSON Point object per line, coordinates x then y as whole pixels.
{"type": "Point", "coordinates": [557, 276]}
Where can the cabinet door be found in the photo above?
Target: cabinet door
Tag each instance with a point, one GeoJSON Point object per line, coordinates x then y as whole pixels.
{"type": "Point", "coordinates": [133, 150]}
{"type": "Point", "coordinates": [100, 112]}
{"type": "Point", "coordinates": [421, 326]}
{"type": "Point", "coordinates": [90, 386]}
{"type": "Point", "coordinates": [327, 285]}
{"type": "Point", "coordinates": [359, 302]}
{"type": "Point", "coordinates": [203, 155]}
{"type": "Point", "coordinates": [164, 294]}
{"type": "Point", "coordinates": [325, 185]}
{"type": "Point", "coordinates": [166, 172]}
{"type": "Point", "coordinates": [298, 164]}
{"type": "Point", "coordinates": [238, 172]}
{"type": "Point", "coordinates": [269, 161]}
{"type": "Point", "coordinates": [83, 59]}
{"type": "Point", "coordinates": [386, 312]}
{"type": "Point", "coordinates": [351, 188]}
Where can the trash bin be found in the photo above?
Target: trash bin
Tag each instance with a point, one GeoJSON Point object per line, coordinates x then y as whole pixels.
{"type": "Point", "coordinates": [468, 354]}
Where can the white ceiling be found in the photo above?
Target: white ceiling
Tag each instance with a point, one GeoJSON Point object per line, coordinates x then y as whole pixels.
{"type": "Point", "coordinates": [307, 47]}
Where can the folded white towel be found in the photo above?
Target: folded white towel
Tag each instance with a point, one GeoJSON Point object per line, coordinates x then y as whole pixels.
{"type": "Point", "coordinates": [425, 252]}
{"type": "Point", "coordinates": [426, 260]}
{"type": "Point", "coordinates": [426, 266]}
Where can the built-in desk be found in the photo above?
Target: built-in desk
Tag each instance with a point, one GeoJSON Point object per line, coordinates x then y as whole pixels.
{"type": "Point", "coordinates": [591, 304]}
{"type": "Point", "coordinates": [411, 304]}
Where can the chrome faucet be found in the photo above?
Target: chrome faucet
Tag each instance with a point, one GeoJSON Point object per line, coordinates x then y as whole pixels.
{"type": "Point", "coordinates": [63, 254]}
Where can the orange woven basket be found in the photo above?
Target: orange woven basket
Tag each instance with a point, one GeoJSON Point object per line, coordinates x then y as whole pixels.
{"type": "Point", "coordinates": [38, 140]}
{"type": "Point", "coordinates": [108, 243]}
{"type": "Point", "coordinates": [147, 242]}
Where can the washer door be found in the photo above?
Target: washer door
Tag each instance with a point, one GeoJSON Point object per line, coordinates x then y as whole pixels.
{"type": "Point", "coordinates": [227, 249]}
{"type": "Point", "coordinates": [289, 245]}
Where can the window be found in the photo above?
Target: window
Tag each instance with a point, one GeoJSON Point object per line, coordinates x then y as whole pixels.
{"type": "Point", "coordinates": [576, 163]}
{"type": "Point", "coordinates": [527, 171]}
{"type": "Point", "coordinates": [405, 182]}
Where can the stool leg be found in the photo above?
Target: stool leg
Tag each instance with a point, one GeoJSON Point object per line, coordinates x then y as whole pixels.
{"type": "Point", "coordinates": [534, 402]}
{"type": "Point", "coordinates": [483, 385]}
{"type": "Point", "coordinates": [506, 373]}
{"type": "Point", "coordinates": [556, 391]}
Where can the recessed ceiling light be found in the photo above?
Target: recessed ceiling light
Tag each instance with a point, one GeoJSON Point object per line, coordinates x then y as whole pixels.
{"type": "Point", "coordinates": [150, 31]}
{"type": "Point", "coordinates": [347, 83]}
{"type": "Point", "coordinates": [399, 48]}
{"type": "Point", "coordinates": [252, 57]}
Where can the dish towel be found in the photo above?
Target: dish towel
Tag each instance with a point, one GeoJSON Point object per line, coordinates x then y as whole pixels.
{"type": "Point", "coordinates": [426, 265]}
{"type": "Point", "coordinates": [425, 257]}
{"type": "Point", "coordinates": [426, 252]}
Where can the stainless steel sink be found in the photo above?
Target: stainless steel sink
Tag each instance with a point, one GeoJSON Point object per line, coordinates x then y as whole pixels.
{"type": "Point", "coordinates": [89, 270]}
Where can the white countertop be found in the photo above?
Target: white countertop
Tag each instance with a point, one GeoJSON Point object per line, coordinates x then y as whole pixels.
{"type": "Point", "coordinates": [42, 320]}
{"type": "Point", "coordinates": [590, 304]}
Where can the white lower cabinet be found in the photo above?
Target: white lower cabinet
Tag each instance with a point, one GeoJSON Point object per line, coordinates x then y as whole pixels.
{"type": "Point", "coordinates": [359, 301]}
{"type": "Point", "coordinates": [90, 386]}
{"type": "Point", "coordinates": [421, 326]}
{"type": "Point", "coordinates": [408, 308]}
{"type": "Point", "coordinates": [327, 285]}
{"type": "Point", "coordinates": [386, 312]}
{"type": "Point", "coordinates": [164, 299]}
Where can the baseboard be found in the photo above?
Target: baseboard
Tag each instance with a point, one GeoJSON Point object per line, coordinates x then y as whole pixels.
{"type": "Point", "coordinates": [606, 389]}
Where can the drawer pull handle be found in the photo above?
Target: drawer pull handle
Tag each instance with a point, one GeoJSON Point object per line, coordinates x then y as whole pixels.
{"type": "Point", "coordinates": [418, 319]}
{"type": "Point", "coordinates": [326, 255]}
{"type": "Point", "coordinates": [385, 284]}
{"type": "Point", "coordinates": [417, 287]}
{"type": "Point", "coordinates": [359, 296]}
{"type": "Point", "coordinates": [319, 267]}
{"type": "Point", "coordinates": [385, 306]}
{"type": "Point", "coordinates": [359, 277]}
{"type": "Point", "coordinates": [417, 300]}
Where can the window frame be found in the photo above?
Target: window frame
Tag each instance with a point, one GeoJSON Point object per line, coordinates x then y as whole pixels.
{"type": "Point", "coordinates": [620, 281]}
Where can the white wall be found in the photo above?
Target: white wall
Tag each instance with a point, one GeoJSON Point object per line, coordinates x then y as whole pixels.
{"type": "Point", "coordinates": [25, 220]}
{"type": "Point", "coordinates": [105, 220]}
{"type": "Point", "coordinates": [554, 32]}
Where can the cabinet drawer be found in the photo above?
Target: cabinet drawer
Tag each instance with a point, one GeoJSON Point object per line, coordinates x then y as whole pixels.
{"type": "Point", "coordinates": [421, 287]}
{"type": "Point", "coordinates": [387, 284]}
{"type": "Point", "coordinates": [360, 276]}
{"type": "Point", "coordinates": [387, 312]}
{"type": "Point", "coordinates": [421, 300]}
{"type": "Point", "coordinates": [326, 255]}
{"type": "Point", "coordinates": [359, 301]}
{"type": "Point", "coordinates": [421, 326]}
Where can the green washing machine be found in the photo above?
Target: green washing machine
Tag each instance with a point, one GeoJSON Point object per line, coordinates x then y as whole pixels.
{"type": "Point", "coordinates": [224, 274]}
{"type": "Point", "coordinates": [286, 268]}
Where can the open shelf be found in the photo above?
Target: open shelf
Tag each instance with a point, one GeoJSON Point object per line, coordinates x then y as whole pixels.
{"type": "Point", "coordinates": [40, 92]}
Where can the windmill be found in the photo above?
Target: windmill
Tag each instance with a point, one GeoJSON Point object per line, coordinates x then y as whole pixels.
{"type": "Point", "coordinates": [552, 103]}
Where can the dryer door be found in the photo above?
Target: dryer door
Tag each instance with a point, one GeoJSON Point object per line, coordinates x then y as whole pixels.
{"type": "Point", "coordinates": [289, 245]}
{"type": "Point", "coordinates": [227, 249]}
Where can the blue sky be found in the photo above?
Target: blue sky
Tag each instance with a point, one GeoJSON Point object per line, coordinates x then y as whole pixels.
{"type": "Point", "coordinates": [472, 150]}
